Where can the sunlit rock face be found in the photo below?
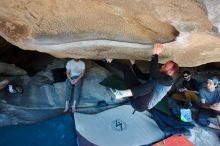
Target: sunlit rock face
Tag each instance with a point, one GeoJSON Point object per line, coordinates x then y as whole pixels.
{"type": "Point", "coordinates": [123, 29]}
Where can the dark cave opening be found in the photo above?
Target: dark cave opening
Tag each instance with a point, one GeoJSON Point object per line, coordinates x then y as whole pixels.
{"type": "Point", "coordinates": [31, 61]}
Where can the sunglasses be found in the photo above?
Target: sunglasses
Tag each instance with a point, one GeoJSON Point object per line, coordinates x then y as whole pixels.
{"type": "Point", "coordinates": [185, 76]}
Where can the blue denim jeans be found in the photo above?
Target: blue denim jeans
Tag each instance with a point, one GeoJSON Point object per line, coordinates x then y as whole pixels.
{"type": "Point", "coordinates": [73, 91]}
{"type": "Point", "coordinates": [169, 124]}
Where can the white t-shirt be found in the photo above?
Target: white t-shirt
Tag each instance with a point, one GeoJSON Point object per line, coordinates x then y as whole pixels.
{"type": "Point", "coordinates": [75, 67]}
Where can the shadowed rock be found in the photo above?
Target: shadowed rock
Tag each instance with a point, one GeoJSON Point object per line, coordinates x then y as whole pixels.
{"type": "Point", "coordinates": [111, 29]}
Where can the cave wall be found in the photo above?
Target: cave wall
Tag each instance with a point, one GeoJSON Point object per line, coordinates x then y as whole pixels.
{"type": "Point", "coordinates": [126, 29]}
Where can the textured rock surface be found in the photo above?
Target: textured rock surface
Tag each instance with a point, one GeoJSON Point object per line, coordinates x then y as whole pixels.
{"type": "Point", "coordinates": [43, 99]}
{"type": "Point", "coordinates": [11, 69]}
{"type": "Point", "coordinates": [112, 29]}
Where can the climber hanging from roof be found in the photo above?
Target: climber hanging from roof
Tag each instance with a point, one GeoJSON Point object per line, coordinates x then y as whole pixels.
{"type": "Point", "coordinates": [147, 95]}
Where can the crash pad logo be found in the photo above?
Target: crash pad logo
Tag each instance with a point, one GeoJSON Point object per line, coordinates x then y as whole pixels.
{"type": "Point", "coordinates": [119, 125]}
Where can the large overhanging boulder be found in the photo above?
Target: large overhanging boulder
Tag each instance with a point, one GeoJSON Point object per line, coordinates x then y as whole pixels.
{"type": "Point", "coordinates": [124, 29]}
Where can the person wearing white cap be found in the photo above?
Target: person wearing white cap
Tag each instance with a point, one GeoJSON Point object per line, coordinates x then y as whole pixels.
{"type": "Point", "coordinates": [210, 103]}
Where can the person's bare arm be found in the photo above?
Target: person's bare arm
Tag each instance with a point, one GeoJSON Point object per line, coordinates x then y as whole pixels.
{"type": "Point", "coordinates": [206, 106]}
{"type": "Point", "coordinates": [69, 77]}
{"type": "Point", "coordinates": [158, 48]}
{"type": "Point", "coordinates": [185, 89]}
{"type": "Point", "coordinates": [68, 74]}
{"type": "Point", "coordinates": [81, 75]}
{"type": "Point", "coordinates": [194, 91]}
{"type": "Point", "coordinates": [215, 106]}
